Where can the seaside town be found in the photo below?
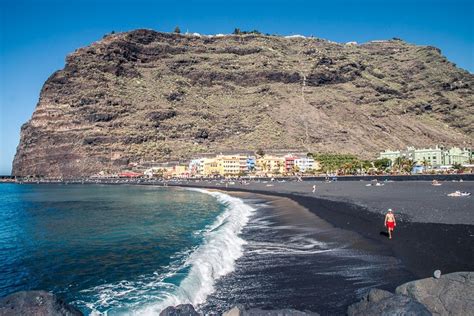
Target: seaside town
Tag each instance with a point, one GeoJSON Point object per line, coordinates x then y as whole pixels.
{"type": "Point", "coordinates": [409, 161]}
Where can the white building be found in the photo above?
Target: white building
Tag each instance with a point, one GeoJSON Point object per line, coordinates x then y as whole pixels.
{"type": "Point", "coordinates": [196, 167]}
{"type": "Point", "coordinates": [305, 164]}
{"type": "Point", "coordinates": [434, 157]}
{"type": "Point", "coordinates": [457, 155]}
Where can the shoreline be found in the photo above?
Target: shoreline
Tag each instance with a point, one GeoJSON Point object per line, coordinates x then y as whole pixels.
{"type": "Point", "coordinates": [422, 247]}
{"type": "Point", "coordinates": [320, 267]}
{"type": "Point", "coordinates": [423, 243]}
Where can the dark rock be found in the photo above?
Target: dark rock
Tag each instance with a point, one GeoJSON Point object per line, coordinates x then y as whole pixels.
{"type": "Point", "coordinates": [241, 311]}
{"type": "Point", "coordinates": [325, 61]}
{"type": "Point", "coordinates": [180, 310]}
{"type": "Point", "coordinates": [387, 90]}
{"type": "Point", "coordinates": [158, 116]}
{"type": "Point", "coordinates": [86, 101]}
{"type": "Point", "coordinates": [124, 70]}
{"type": "Point", "coordinates": [175, 96]}
{"type": "Point", "coordinates": [379, 302]}
{"type": "Point", "coordinates": [35, 303]}
{"type": "Point", "coordinates": [451, 294]}
{"type": "Point", "coordinates": [203, 134]}
{"type": "Point", "coordinates": [98, 140]}
{"type": "Point", "coordinates": [241, 51]}
{"type": "Point", "coordinates": [322, 74]}
{"type": "Point", "coordinates": [284, 77]}
{"type": "Point", "coordinates": [427, 107]}
{"type": "Point", "coordinates": [100, 117]}
{"type": "Point", "coordinates": [135, 139]}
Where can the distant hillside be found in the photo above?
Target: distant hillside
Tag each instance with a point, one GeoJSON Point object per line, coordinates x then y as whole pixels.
{"type": "Point", "coordinates": [145, 95]}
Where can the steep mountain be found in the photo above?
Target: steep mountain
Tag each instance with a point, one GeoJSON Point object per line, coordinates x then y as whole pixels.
{"type": "Point", "coordinates": [151, 96]}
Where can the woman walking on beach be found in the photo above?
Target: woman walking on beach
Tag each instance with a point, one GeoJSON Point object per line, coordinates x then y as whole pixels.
{"type": "Point", "coordinates": [390, 222]}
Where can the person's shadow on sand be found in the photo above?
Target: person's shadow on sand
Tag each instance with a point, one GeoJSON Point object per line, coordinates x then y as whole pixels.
{"type": "Point", "coordinates": [384, 234]}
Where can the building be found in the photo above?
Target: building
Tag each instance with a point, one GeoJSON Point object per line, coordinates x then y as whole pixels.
{"type": "Point", "coordinates": [270, 165]}
{"type": "Point", "coordinates": [305, 164]}
{"type": "Point", "coordinates": [222, 165]}
{"type": "Point", "coordinates": [251, 163]}
{"type": "Point", "coordinates": [290, 163]}
{"type": "Point", "coordinates": [433, 157]}
{"type": "Point", "coordinates": [155, 172]}
{"type": "Point", "coordinates": [212, 167]}
{"type": "Point", "coordinates": [430, 156]}
{"type": "Point", "coordinates": [457, 155]}
{"type": "Point", "coordinates": [178, 171]}
{"type": "Point", "coordinates": [196, 167]}
{"type": "Point", "coordinates": [390, 154]}
{"type": "Point", "coordinates": [232, 165]}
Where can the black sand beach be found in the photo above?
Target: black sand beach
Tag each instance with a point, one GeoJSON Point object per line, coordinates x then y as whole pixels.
{"type": "Point", "coordinates": [294, 259]}
{"type": "Point", "coordinates": [434, 231]}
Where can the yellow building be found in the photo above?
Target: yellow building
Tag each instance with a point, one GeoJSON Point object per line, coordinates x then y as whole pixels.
{"type": "Point", "coordinates": [270, 165]}
{"type": "Point", "coordinates": [225, 165]}
{"type": "Point", "coordinates": [212, 167]}
{"type": "Point", "coordinates": [233, 165]}
{"type": "Point", "coordinates": [178, 171]}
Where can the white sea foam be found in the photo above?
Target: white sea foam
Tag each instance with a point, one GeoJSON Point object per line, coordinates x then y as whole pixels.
{"type": "Point", "coordinates": [296, 245]}
{"type": "Point", "coordinates": [212, 260]}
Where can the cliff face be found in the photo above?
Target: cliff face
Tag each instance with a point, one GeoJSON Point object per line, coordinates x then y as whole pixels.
{"type": "Point", "coordinates": [144, 95]}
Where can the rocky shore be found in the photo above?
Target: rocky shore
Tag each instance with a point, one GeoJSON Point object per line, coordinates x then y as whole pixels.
{"type": "Point", "coordinates": [37, 303]}
{"type": "Point", "coordinates": [450, 294]}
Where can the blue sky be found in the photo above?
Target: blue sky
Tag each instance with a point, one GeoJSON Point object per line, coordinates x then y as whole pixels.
{"type": "Point", "coordinates": [36, 36]}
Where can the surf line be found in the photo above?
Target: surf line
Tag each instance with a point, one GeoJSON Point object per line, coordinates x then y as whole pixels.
{"type": "Point", "coordinates": [214, 258]}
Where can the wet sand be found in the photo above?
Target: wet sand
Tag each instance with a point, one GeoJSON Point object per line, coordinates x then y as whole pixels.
{"type": "Point", "coordinates": [433, 231]}
{"type": "Point", "coordinates": [295, 259]}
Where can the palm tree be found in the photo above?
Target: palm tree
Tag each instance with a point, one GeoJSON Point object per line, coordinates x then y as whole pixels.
{"type": "Point", "coordinates": [278, 165]}
{"type": "Point", "coordinates": [264, 166]}
{"type": "Point", "coordinates": [425, 164]}
{"type": "Point", "coordinates": [459, 167]}
{"type": "Point", "coordinates": [408, 166]}
{"type": "Point", "coordinates": [399, 162]}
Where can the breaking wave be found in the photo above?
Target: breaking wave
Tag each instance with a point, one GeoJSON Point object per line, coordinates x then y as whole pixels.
{"type": "Point", "coordinates": [203, 265]}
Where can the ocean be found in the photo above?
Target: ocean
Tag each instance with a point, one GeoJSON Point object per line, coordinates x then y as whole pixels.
{"type": "Point", "coordinates": [134, 250]}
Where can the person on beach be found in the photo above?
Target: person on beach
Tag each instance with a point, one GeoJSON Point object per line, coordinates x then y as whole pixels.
{"type": "Point", "coordinates": [390, 222]}
{"type": "Point", "coordinates": [314, 188]}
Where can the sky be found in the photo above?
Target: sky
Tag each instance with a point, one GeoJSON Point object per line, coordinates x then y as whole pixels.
{"type": "Point", "coordinates": [36, 36]}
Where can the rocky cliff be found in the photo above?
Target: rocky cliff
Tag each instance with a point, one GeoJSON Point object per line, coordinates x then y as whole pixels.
{"type": "Point", "coordinates": [150, 96]}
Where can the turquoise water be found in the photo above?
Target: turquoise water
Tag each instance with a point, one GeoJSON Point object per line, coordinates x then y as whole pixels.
{"type": "Point", "coordinates": [117, 249]}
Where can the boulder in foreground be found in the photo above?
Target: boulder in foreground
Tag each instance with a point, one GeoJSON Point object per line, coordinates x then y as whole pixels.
{"type": "Point", "coordinates": [241, 311]}
{"type": "Point", "coordinates": [180, 310]}
{"type": "Point", "coordinates": [451, 294]}
{"type": "Point", "coordinates": [38, 303]}
{"type": "Point", "coordinates": [379, 302]}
